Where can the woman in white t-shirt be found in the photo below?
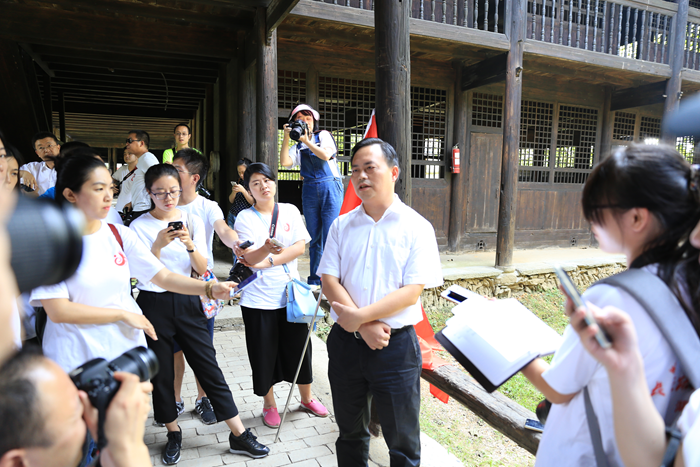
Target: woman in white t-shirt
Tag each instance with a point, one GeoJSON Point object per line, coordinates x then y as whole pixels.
{"type": "Point", "coordinates": [92, 314]}
{"type": "Point", "coordinates": [641, 201]}
{"type": "Point", "coordinates": [274, 345]}
{"type": "Point", "coordinates": [179, 240]}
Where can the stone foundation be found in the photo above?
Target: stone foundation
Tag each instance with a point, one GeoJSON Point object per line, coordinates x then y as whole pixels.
{"type": "Point", "coordinates": [492, 282]}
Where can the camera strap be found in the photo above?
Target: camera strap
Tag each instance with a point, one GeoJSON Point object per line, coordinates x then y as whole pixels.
{"type": "Point", "coordinates": [116, 235]}
{"type": "Point", "coordinates": [273, 223]}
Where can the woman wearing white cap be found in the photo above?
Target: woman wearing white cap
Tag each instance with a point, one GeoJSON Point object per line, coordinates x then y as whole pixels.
{"type": "Point", "coordinates": [322, 190]}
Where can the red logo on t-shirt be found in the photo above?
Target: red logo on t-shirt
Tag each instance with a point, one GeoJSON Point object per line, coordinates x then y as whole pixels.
{"type": "Point", "coordinates": [120, 259]}
{"type": "Point", "coordinates": [287, 227]}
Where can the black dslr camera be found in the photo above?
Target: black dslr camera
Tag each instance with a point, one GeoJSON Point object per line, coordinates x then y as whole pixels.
{"type": "Point", "coordinates": [297, 129]}
{"type": "Point", "coordinates": [96, 378]}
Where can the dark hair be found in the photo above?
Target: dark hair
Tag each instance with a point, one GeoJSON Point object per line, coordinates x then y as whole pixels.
{"type": "Point", "coordinates": [142, 135]}
{"type": "Point", "coordinates": [245, 161]}
{"type": "Point", "coordinates": [42, 135]}
{"type": "Point", "coordinates": [189, 130]}
{"type": "Point", "coordinates": [74, 170]}
{"type": "Point", "coordinates": [23, 424]}
{"type": "Point", "coordinates": [13, 152]}
{"type": "Point", "coordinates": [70, 146]}
{"type": "Point", "coordinates": [257, 168]}
{"type": "Point", "coordinates": [308, 113]}
{"type": "Point", "coordinates": [194, 161]}
{"type": "Point", "coordinates": [658, 179]}
{"type": "Point", "coordinates": [392, 160]}
{"type": "Point", "coordinates": [156, 172]}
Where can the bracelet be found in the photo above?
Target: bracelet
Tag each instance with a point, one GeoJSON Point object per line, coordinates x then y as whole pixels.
{"type": "Point", "coordinates": [207, 290]}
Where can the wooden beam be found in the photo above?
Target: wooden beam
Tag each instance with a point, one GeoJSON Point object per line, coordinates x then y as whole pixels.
{"type": "Point", "coordinates": [62, 116]}
{"type": "Point", "coordinates": [205, 76]}
{"type": "Point", "coordinates": [149, 80]}
{"type": "Point", "coordinates": [119, 60]}
{"type": "Point", "coordinates": [277, 11]}
{"type": "Point", "coordinates": [459, 181]}
{"type": "Point", "coordinates": [508, 200]}
{"type": "Point", "coordinates": [393, 85]}
{"type": "Point", "coordinates": [673, 88]}
{"type": "Point", "coordinates": [68, 28]}
{"type": "Point", "coordinates": [647, 94]}
{"type": "Point", "coordinates": [127, 111]}
{"type": "Point", "coordinates": [492, 70]}
{"type": "Point", "coordinates": [266, 93]}
{"type": "Point", "coordinates": [28, 49]}
{"type": "Point", "coordinates": [497, 410]}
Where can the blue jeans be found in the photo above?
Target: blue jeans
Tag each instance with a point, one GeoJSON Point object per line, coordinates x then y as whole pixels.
{"type": "Point", "coordinates": [390, 375]}
{"type": "Point", "coordinates": [321, 200]}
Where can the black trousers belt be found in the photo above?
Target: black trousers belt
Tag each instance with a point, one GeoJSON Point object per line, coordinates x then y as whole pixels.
{"type": "Point", "coordinates": [393, 331]}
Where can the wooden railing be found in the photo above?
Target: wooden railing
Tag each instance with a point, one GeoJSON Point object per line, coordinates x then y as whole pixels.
{"type": "Point", "coordinates": [623, 28]}
{"type": "Point", "coordinates": [691, 59]}
{"type": "Point", "coordinates": [487, 15]}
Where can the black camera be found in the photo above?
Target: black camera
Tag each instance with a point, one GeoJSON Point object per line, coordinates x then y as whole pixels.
{"type": "Point", "coordinates": [96, 378]}
{"type": "Point", "coordinates": [297, 129]}
{"type": "Point", "coordinates": [46, 241]}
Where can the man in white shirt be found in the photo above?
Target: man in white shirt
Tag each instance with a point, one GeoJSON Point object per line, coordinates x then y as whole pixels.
{"type": "Point", "coordinates": [193, 167]}
{"type": "Point", "coordinates": [41, 175]}
{"type": "Point", "coordinates": [137, 144]}
{"type": "Point", "coordinates": [377, 260]}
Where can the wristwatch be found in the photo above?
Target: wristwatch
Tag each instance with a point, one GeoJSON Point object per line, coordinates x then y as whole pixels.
{"type": "Point", "coordinates": [191, 251]}
{"type": "Point", "coordinates": [272, 261]}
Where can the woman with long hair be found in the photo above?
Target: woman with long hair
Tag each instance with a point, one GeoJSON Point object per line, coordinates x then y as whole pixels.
{"type": "Point", "coordinates": [641, 201]}
{"type": "Point", "coordinates": [322, 189]}
{"type": "Point", "coordinates": [274, 345]}
{"type": "Point", "coordinates": [179, 241]}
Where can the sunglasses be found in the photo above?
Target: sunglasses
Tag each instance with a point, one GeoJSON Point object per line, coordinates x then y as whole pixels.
{"type": "Point", "coordinates": [129, 140]}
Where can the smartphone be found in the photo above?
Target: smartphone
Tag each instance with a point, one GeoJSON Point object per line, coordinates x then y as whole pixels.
{"type": "Point", "coordinates": [458, 294]}
{"type": "Point", "coordinates": [277, 243]}
{"type": "Point", "coordinates": [234, 183]}
{"type": "Point", "coordinates": [246, 244]}
{"type": "Point", "coordinates": [239, 288]}
{"type": "Point", "coordinates": [534, 425]}
{"type": "Point", "coordinates": [572, 292]}
{"type": "Point", "coordinates": [177, 225]}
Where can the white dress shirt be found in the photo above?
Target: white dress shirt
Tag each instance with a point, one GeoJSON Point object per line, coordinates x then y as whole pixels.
{"type": "Point", "coordinates": [372, 259]}
{"type": "Point", "coordinates": [140, 201]}
{"type": "Point", "coordinates": [45, 177]}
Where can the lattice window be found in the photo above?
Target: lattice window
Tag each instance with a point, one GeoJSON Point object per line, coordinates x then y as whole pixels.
{"type": "Point", "coordinates": [695, 3]}
{"type": "Point", "coordinates": [686, 147]}
{"type": "Point", "coordinates": [535, 141]}
{"type": "Point", "coordinates": [576, 140]}
{"type": "Point", "coordinates": [428, 123]}
{"type": "Point", "coordinates": [623, 126]}
{"type": "Point", "coordinates": [650, 130]}
{"type": "Point", "coordinates": [487, 110]}
{"type": "Point", "coordinates": [345, 106]}
{"type": "Point", "coordinates": [291, 91]}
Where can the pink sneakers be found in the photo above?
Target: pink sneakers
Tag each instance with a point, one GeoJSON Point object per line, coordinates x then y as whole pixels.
{"type": "Point", "coordinates": [271, 418]}
{"type": "Point", "coordinates": [316, 408]}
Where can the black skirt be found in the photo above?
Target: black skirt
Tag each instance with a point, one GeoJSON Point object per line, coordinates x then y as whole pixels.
{"type": "Point", "coordinates": [274, 348]}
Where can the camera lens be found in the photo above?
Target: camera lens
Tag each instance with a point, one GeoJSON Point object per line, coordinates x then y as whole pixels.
{"type": "Point", "coordinates": [140, 361]}
{"type": "Point", "coordinates": [46, 241]}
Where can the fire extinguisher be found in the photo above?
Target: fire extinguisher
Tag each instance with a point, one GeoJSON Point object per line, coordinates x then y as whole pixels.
{"type": "Point", "coordinates": [455, 159]}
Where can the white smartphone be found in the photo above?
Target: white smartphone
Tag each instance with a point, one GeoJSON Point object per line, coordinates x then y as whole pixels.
{"type": "Point", "coordinates": [239, 288]}
{"type": "Point", "coordinates": [534, 425]}
{"type": "Point", "coordinates": [233, 184]}
{"type": "Point", "coordinates": [572, 292]}
{"type": "Point", "coordinates": [277, 243]}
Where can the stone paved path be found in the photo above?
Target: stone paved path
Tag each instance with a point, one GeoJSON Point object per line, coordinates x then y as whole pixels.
{"type": "Point", "coordinates": [305, 440]}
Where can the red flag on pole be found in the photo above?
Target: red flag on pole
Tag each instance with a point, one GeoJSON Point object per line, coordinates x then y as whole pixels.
{"type": "Point", "coordinates": [351, 201]}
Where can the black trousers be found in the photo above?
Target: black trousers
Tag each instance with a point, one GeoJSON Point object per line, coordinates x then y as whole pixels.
{"type": "Point", "coordinates": [390, 375]}
{"type": "Point", "coordinates": [181, 317]}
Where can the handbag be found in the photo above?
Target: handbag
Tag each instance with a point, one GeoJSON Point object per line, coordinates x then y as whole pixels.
{"type": "Point", "coordinates": [301, 303]}
{"type": "Point", "coordinates": [210, 306]}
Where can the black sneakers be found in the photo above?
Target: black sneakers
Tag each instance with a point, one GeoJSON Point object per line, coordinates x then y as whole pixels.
{"type": "Point", "coordinates": [247, 444]}
{"type": "Point", "coordinates": [206, 411]}
{"type": "Point", "coordinates": [171, 453]}
{"type": "Point", "coordinates": [180, 407]}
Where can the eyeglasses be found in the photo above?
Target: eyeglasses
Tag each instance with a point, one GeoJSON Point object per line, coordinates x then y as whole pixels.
{"type": "Point", "coordinates": [47, 148]}
{"type": "Point", "coordinates": [181, 134]}
{"type": "Point", "coordinates": [129, 140]}
{"type": "Point", "coordinates": [183, 171]}
{"type": "Point", "coordinates": [164, 194]}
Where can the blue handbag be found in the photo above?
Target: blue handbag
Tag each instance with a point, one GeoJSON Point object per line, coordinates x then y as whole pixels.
{"type": "Point", "coordinates": [301, 303]}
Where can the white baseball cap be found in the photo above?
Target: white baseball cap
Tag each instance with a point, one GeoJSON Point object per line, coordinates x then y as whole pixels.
{"type": "Point", "coordinates": [301, 107]}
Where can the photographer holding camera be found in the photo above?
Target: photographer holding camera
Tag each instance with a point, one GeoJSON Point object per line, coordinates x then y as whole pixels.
{"type": "Point", "coordinates": [322, 190]}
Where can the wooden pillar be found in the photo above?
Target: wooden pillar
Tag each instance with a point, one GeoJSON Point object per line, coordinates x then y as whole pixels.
{"type": "Point", "coordinates": [208, 120]}
{"type": "Point", "coordinates": [393, 84]}
{"type": "Point", "coordinates": [62, 116]}
{"type": "Point", "coordinates": [312, 87]}
{"type": "Point", "coordinates": [606, 134]}
{"type": "Point", "coordinates": [246, 106]}
{"type": "Point", "coordinates": [511, 138]}
{"type": "Point", "coordinates": [48, 103]}
{"type": "Point", "coordinates": [460, 180]}
{"type": "Point", "coordinates": [266, 92]}
{"type": "Point", "coordinates": [673, 87]}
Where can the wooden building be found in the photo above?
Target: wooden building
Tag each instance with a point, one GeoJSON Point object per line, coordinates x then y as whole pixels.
{"type": "Point", "coordinates": [533, 92]}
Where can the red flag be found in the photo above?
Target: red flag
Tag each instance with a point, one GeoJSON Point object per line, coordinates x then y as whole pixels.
{"type": "Point", "coordinates": [351, 200]}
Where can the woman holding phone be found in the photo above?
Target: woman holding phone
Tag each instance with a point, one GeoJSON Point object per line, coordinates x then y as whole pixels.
{"type": "Point", "coordinates": [641, 201]}
{"type": "Point", "coordinates": [274, 345]}
{"type": "Point", "coordinates": [178, 240]}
